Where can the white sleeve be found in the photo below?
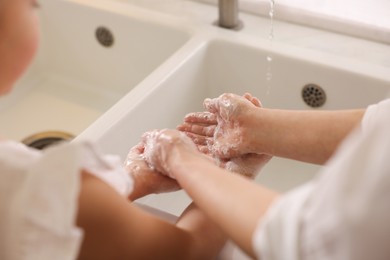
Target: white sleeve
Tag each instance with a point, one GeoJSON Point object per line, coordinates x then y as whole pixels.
{"type": "Point", "coordinates": [344, 212]}
{"type": "Point", "coordinates": [276, 236]}
{"type": "Point", "coordinates": [39, 198]}
{"type": "Point", "coordinates": [108, 168]}
{"type": "Point", "coordinates": [348, 215]}
{"type": "Point", "coordinates": [372, 112]}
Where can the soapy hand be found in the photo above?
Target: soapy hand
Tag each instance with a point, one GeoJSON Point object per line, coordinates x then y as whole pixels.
{"type": "Point", "coordinates": [222, 128]}
{"type": "Point", "coordinates": [248, 165]}
{"type": "Point", "coordinates": [166, 147]}
{"type": "Point", "coordinates": [230, 138]}
{"type": "Point", "coordinates": [221, 133]}
{"type": "Point", "coordinates": [146, 180]}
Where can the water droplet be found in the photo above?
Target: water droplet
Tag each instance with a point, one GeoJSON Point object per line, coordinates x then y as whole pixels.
{"type": "Point", "coordinates": [271, 13]}
{"type": "Point", "coordinates": [272, 4]}
{"type": "Point", "coordinates": [271, 36]}
{"type": "Point", "coordinates": [268, 76]}
{"type": "Point", "coordinates": [269, 58]}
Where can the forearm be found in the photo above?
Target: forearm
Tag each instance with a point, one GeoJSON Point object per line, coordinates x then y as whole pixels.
{"type": "Point", "coordinates": [115, 229]}
{"type": "Point", "coordinates": [309, 136]}
{"type": "Point", "coordinates": [233, 202]}
{"type": "Point", "coordinates": [138, 192]}
{"type": "Point", "coordinates": [207, 238]}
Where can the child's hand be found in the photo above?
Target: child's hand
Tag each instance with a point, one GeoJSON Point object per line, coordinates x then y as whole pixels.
{"type": "Point", "coordinates": [222, 129]}
{"type": "Point", "coordinates": [248, 165]}
{"type": "Point", "coordinates": [222, 134]}
{"type": "Point", "coordinates": [231, 136]}
{"type": "Point", "coordinates": [146, 180]}
{"type": "Point", "coordinates": [200, 127]}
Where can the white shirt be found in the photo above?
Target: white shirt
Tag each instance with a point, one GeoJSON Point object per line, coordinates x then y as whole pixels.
{"type": "Point", "coordinates": [344, 214]}
{"type": "Point", "coordinates": [38, 198]}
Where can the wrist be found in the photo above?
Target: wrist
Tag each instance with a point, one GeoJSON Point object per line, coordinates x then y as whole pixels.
{"type": "Point", "coordinates": [182, 159]}
{"type": "Point", "coordinates": [138, 192]}
{"type": "Point", "coordinates": [142, 184]}
{"type": "Point", "coordinates": [255, 130]}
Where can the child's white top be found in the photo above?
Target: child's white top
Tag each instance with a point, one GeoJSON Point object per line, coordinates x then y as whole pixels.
{"type": "Point", "coordinates": [343, 214]}
{"type": "Point", "coordinates": [38, 197]}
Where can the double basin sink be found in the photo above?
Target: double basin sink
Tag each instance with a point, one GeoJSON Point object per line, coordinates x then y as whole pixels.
{"type": "Point", "coordinates": [108, 71]}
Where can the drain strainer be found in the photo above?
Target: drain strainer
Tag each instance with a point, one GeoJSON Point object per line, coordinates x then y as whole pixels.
{"type": "Point", "coordinates": [43, 140]}
{"type": "Point", "coordinates": [313, 95]}
{"type": "Point", "coordinates": [104, 36]}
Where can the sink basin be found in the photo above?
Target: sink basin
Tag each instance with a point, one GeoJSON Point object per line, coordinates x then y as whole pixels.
{"type": "Point", "coordinates": [217, 64]}
{"type": "Point", "coordinates": [161, 67]}
{"type": "Point", "coordinates": [222, 65]}
{"type": "Point", "coordinates": [75, 78]}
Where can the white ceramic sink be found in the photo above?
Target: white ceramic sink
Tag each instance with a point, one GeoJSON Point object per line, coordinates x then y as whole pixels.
{"type": "Point", "coordinates": [162, 67]}
{"type": "Point", "coordinates": [221, 65]}
{"type": "Point", "coordinates": [215, 64]}
{"type": "Point", "coordinates": [75, 78]}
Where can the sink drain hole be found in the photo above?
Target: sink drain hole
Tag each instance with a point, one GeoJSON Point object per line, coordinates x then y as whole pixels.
{"type": "Point", "coordinates": [104, 36]}
{"type": "Point", "coordinates": [43, 140]}
{"type": "Point", "coordinates": [313, 95]}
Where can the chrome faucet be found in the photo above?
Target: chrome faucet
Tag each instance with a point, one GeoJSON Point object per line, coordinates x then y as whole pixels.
{"type": "Point", "coordinates": [228, 14]}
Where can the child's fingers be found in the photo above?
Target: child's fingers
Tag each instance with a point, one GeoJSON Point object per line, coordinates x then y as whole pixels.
{"type": "Point", "coordinates": [254, 100]}
{"type": "Point", "coordinates": [205, 118]}
{"type": "Point", "coordinates": [211, 105]}
{"type": "Point", "coordinates": [197, 129]}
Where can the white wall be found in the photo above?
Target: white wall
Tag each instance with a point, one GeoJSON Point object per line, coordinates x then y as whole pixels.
{"type": "Point", "coordinates": [364, 18]}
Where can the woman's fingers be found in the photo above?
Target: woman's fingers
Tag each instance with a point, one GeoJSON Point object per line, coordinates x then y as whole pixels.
{"type": "Point", "coordinates": [202, 143]}
{"type": "Point", "coordinates": [161, 145]}
{"type": "Point", "coordinates": [135, 153]}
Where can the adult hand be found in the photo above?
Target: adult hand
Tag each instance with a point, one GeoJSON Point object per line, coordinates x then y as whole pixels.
{"type": "Point", "coordinates": [166, 148]}
{"type": "Point", "coordinates": [146, 180]}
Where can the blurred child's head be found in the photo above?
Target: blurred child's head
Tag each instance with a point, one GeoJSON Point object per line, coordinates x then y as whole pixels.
{"type": "Point", "coordinates": [19, 37]}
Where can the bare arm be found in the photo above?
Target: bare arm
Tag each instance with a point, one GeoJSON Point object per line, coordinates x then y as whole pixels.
{"type": "Point", "coordinates": [146, 180]}
{"type": "Point", "coordinates": [309, 136]}
{"type": "Point", "coordinates": [233, 202]}
{"type": "Point", "coordinates": [115, 229]}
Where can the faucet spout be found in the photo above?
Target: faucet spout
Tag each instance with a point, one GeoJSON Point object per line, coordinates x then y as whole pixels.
{"type": "Point", "coordinates": [228, 14]}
